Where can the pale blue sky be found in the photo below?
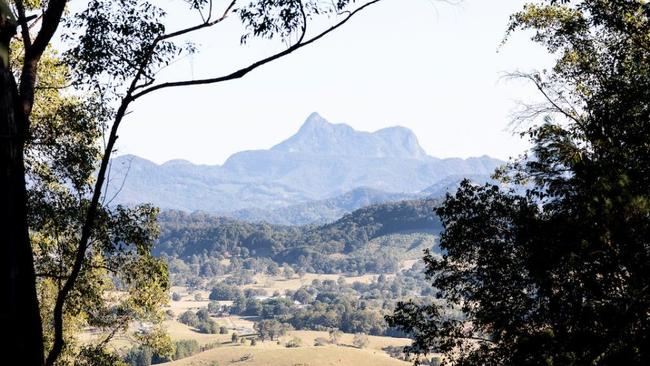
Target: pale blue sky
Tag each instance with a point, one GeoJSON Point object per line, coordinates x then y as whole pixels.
{"type": "Point", "coordinates": [423, 64]}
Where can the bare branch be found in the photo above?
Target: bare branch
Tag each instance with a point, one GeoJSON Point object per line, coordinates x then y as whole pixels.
{"type": "Point", "coordinates": [545, 93]}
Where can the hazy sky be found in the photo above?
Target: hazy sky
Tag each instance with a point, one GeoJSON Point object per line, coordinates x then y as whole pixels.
{"type": "Point", "coordinates": [424, 64]}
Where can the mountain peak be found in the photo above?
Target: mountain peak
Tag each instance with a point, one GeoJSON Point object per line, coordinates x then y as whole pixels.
{"type": "Point", "coordinates": [319, 137]}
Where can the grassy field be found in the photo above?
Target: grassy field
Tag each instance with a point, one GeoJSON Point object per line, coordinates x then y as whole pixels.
{"type": "Point", "coordinates": [273, 354]}
{"type": "Point", "coordinates": [266, 353]}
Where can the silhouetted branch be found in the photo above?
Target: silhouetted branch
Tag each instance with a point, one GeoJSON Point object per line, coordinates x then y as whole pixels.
{"type": "Point", "coordinates": [241, 72]}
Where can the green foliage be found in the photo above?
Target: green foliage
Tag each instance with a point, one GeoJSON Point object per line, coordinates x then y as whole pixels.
{"type": "Point", "coordinates": [214, 307]}
{"type": "Point", "coordinates": [558, 275]}
{"type": "Point", "coordinates": [61, 156]}
{"type": "Point", "coordinates": [200, 237]}
{"type": "Point", "coordinates": [189, 318]}
{"type": "Point", "coordinates": [208, 326]}
{"type": "Point", "coordinates": [185, 348]}
{"type": "Point", "coordinates": [139, 356]}
{"type": "Point", "coordinates": [224, 292]}
{"type": "Point", "coordinates": [270, 329]}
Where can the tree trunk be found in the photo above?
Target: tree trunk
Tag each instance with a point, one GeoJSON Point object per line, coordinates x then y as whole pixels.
{"type": "Point", "coordinates": [21, 318]}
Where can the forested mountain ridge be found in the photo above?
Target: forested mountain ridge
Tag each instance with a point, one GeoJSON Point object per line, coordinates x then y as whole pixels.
{"type": "Point", "coordinates": [321, 161]}
{"type": "Point", "coordinates": [185, 236]}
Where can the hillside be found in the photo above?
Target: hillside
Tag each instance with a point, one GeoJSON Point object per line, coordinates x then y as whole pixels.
{"type": "Point", "coordinates": [336, 247]}
{"type": "Point", "coordinates": [321, 161]}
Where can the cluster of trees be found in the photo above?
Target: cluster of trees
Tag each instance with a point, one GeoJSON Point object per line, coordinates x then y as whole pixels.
{"type": "Point", "coordinates": [185, 235]}
{"type": "Point", "coordinates": [271, 329]}
{"type": "Point", "coordinates": [558, 275]}
{"type": "Point", "coordinates": [370, 240]}
{"type": "Point", "coordinates": [62, 243]}
{"type": "Point", "coordinates": [200, 320]}
{"type": "Point", "coordinates": [329, 304]}
{"type": "Point", "coordinates": [146, 356]}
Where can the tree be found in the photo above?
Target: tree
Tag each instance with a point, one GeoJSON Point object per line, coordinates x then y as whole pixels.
{"type": "Point", "coordinates": [360, 340]}
{"type": "Point", "coordinates": [60, 155]}
{"type": "Point", "coordinates": [189, 318]}
{"type": "Point", "coordinates": [224, 292]}
{"type": "Point", "coordinates": [558, 275]}
{"type": "Point", "coordinates": [208, 326]}
{"type": "Point", "coordinates": [270, 329]}
{"type": "Point", "coordinates": [115, 51]}
{"type": "Point", "coordinates": [335, 336]}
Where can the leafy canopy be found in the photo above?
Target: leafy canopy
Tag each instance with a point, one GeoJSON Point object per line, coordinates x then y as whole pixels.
{"type": "Point", "coordinates": [560, 275]}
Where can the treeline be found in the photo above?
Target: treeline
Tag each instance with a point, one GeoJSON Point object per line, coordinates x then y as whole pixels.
{"type": "Point", "coordinates": [186, 236]}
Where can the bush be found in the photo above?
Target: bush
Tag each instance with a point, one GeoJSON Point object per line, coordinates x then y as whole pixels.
{"type": "Point", "coordinates": [176, 296]}
{"type": "Point", "coordinates": [335, 336]}
{"type": "Point", "coordinates": [139, 356]}
{"type": "Point", "coordinates": [360, 340]}
{"type": "Point", "coordinates": [223, 330]}
{"type": "Point", "coordinates": [186, 348]}
{"type": "Point", "coordinates": [253, 342]}
{"type": "Point", "coordinates": [294, 343]}
{"type": "Point", "coordinates": [224, 292]}
{"type": "Point", "coordinates": [203, 315]}
{"type": "Point", "coordinates": [320, 341]}
{"type": "Point", "coordinates": [189, 318]}
{"type": "Point", "coordinates": [234, 337]}
{"type": "Point", "coordinates": [208, 326]}
{"type": "Point", "coordinates": [214, 307]}
{"type": "Point", "coordinates": [198, 297]}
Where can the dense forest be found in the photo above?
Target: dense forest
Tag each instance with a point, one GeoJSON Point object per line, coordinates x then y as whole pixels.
{"type": "Point", "coordinates": [332, 248]}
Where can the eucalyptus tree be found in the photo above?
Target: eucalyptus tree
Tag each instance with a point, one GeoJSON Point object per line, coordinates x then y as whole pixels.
{"type": "Point", "coordinates": [114, 50]}
{"type": "Point", "coordinates": [559, 275]}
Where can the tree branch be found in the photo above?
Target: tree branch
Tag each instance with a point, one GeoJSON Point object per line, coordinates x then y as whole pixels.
{"type": "Point", "coordinates": [241, 72]}
{"type": "Point", "coordinates": [22, 21]}
{"type": "Point", "coordinates": [50, 22]}
{"type": "Point", "coordinates": [86, 232]}
{"type": "Point", "coordinates": [145, 61]}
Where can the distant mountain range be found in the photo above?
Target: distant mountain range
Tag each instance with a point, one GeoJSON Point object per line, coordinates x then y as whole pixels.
{"type": "Point", "coordinates": [319, 173]}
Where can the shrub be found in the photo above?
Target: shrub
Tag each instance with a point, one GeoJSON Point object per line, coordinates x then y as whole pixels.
{"type": "Point", "coordinates": [294, 342]}
{"type": "Point", "coordinates": [176, 296]}
{"type": "Point", "coordinates": [208, 326]}
{"type": "Point", "coordinates": [214, 307]}
{"type": "Point", "coordinates": [320, 341]}
{"type": "Point", "coordinates": [335, 336]}
{"type": "Point", "coordinates": [224, 292]}
{"type": "Point", "coordinates": [360, 340]}
{"type": "Point", "coordinates": [203, 315]}
{"type": "Point", "coordinates": [223, 330]}
{"type": "Point", "coordinates": [185, 348]}
{"type": "Point", "coordinates": [189, 318]}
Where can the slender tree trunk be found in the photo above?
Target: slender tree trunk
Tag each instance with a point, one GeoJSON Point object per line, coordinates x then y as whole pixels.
{"type": "Point", "coordinates": [21, 318]}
